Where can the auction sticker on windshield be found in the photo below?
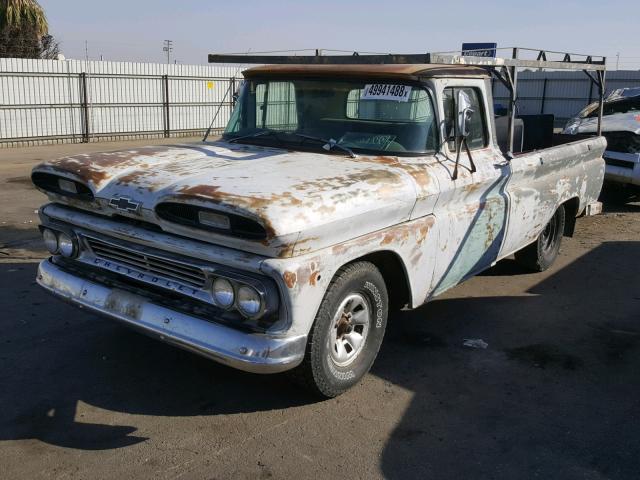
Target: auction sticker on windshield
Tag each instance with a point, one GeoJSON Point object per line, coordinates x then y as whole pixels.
{"type": "Point", "coordinates": [378, 91]}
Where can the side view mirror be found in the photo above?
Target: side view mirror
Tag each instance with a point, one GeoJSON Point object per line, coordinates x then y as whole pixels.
{"type": "Point", "coordinates": [465, 112]}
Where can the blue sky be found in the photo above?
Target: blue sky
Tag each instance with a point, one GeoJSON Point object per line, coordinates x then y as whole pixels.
{"type": "Point", "coordinates": [134, 30]}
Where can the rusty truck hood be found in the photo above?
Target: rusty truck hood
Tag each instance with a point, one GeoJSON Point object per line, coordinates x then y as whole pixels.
{"type": "Point", "coordinates": [304, 200]}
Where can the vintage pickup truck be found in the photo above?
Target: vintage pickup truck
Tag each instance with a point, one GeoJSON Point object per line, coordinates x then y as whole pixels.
{"type": "Point", "coordinates": [337, 194]}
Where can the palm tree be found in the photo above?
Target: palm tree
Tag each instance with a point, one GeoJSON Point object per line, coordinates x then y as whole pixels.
{"type": "Point", "coordinates": [23, 14]}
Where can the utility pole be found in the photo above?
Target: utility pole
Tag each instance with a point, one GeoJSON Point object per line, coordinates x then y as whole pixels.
{"type": "Point", "coordinates": [86, 51]}
{"type": "Point", "coordinates": [617, 60]}
{"type": "Point", "coordinates": [168, 47]}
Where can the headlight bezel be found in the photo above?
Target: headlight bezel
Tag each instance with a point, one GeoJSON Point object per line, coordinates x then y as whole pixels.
{"type": "Point", "coordinates": [59, 233]}
{"type": "Point", "coordinates": [267, 293]}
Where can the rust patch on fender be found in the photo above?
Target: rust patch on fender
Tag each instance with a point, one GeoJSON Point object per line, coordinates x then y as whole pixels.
{"type": "Point", "coordinates": [397, 236]}
{"type": "Point", "coordinates": [386, 160]}
{"type": "Point", "coordinates": [290, 278]}
{"type": "Point", "coordinates": [419, 173]}
{"type": "Point", "coordinates": [309, 273]}
{"type": "Point", "coordinates": [313, 272]}
{"type": "Point", "coordinates": [285, 251]}
{"type": "Point", "coordinates": [423, 230]}
{"type": "Point", "coordinates": [313, 278]}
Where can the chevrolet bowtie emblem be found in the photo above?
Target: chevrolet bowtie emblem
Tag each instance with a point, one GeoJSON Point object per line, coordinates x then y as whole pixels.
{"type": "Point", "coordinates": [124, 204]}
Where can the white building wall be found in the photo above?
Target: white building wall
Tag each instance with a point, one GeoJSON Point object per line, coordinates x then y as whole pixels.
{"type": "Point", "coordinates": [566, 93]}
{"type": "Point", "coordinates": [41, 100]}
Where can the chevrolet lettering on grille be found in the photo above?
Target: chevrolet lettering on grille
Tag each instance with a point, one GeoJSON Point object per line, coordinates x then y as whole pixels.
{"type": "Point", "coordinates": [124, 204]}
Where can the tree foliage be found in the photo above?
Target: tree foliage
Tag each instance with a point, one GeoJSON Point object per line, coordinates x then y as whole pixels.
{"type": "Point", "coordinates": [22, 13]}
{"type": "Point", "coordinates": [24, 31]}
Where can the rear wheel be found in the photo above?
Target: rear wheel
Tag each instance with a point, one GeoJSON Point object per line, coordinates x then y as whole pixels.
{"type": "Point", "coordinates": [541, 254]}
{"type": "Point", "coordinates": [347, 332]}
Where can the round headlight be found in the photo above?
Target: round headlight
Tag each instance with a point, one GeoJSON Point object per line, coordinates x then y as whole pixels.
{"type": "Point", "coordinates": [50, 240]}
{"type": "Point", "coordinates": [223, 293]}
{"type": "Point", "coordinates": [249, 301]}
{"type": "Point", "coordinates": [66, 246]}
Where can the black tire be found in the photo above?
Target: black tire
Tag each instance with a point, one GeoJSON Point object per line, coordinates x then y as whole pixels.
{"type": "Point", "coordinates": [541, 254]}
{"type": "Point", "coordinates": [321, 372]}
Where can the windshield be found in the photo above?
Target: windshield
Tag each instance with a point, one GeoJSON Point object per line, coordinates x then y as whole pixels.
{"type": "Point", "coordinates": [362, 116]}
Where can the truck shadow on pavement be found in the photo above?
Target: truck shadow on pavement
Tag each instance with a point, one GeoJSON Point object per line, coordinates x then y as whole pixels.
{"type": "Point", "coordinates": [54, 356]}
{"type": "Point", "coordinates": [552, 396]}
{"type": "Point", "coordinates": [554, 392]}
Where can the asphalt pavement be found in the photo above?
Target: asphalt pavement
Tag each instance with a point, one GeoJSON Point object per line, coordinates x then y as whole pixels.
{"type": "Point", "coordinates": [555, 394]}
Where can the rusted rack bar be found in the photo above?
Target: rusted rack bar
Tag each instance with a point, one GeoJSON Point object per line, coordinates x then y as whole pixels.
{"type": "Point", "coordinates": [567, 62]}
{"type": "Point", "coordinates": [505, 69]}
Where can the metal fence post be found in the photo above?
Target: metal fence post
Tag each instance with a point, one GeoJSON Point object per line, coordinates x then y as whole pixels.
{"type": "Point", "coordinates": [234, 96]}
{"type": "Point", "coordinates": [165, 105]}
{"type": "Point", "coordinates": [513, 81]}
{"type": "Point", "coordinates": [84, 107]}
{"type": "Point", "coordinates": [544, 95]}
{"type": "Point", "coordinates": [601, 89]}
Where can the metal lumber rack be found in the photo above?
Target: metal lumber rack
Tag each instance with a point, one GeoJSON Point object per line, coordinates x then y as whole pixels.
{"type": "Point", "coordinates": [504, 68]}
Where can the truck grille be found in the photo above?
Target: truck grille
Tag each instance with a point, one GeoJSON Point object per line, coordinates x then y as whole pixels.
{"type": "Point", "coordinates": [144, 262]}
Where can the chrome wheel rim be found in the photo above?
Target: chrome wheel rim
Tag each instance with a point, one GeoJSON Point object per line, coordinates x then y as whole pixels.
{"type": "Point", "coordinates": [349, 329]}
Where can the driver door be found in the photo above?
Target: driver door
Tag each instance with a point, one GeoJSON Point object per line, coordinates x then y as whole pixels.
{"type": "Point", "coordinates": [472, 207]}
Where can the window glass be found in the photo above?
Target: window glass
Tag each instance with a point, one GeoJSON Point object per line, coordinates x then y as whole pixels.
{"type": "Point", "coordinates": [416, 109]}
{"type": "Point", "coordinates": [477, 129]}
{"type": "Point", "coordinates": [305, 113]}
{"type": "Point", "coordinates": [276, 106]}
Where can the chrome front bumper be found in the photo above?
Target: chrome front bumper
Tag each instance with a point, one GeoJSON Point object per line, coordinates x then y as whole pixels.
{"type": "Point", "coordinates": [257, 353]}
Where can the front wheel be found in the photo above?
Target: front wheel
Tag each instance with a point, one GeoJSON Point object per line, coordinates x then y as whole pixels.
{"type": "Point", "coordinates": [347, 332]}
{"type": "Point", "coordinates": [541, 254]}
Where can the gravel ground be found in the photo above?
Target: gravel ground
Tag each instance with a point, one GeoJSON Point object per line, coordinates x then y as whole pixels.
{"type": "Point", "coordinates": [554, 395]}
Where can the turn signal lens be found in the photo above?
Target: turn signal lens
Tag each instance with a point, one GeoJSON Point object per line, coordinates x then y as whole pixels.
{"type": "Point", "coordinates": [214, 220]}
{"type": "Point", "coordinates": [67, 186]}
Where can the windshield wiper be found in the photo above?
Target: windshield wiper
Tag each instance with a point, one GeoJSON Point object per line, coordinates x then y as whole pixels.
{"type": "Point", "coordinates": [252, 135]}
{"type": "Point", "coordinates": [328, 144]}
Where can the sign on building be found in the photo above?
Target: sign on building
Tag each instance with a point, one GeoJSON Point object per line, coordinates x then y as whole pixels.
{"type": "Point", "coordinates": [479, 49]}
